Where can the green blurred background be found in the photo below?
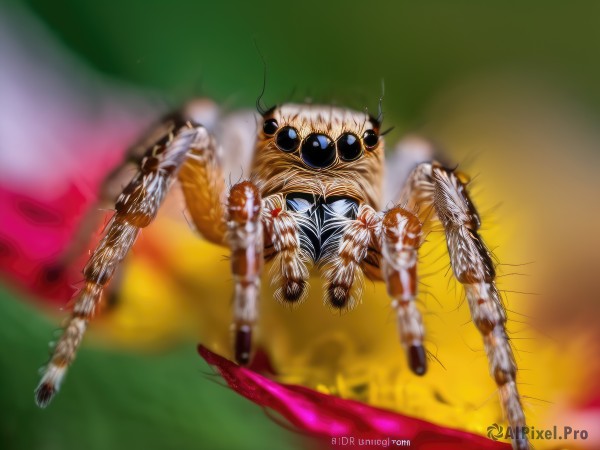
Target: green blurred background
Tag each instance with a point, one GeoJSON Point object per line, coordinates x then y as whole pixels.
{"type": "Point", "coordinates": [152, 401]}
{"type": "Point", "coordinates": [330, 51]}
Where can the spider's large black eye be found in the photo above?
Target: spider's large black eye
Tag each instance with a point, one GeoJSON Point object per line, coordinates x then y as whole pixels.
{"type": "Point", "coordinates": [270, 127]}
{"type": "Point", "coordinates": [370, 139]}
{"type": "Point", "coordinates": [287, 139]}
{"type": "Point", "coordinates": [318, 151]}
{"type": "Point", "coordinates": [349, 147]}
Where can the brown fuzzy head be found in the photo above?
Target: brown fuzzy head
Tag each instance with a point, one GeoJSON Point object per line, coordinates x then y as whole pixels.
{"type": "Point", "coordinates": [320, 150]}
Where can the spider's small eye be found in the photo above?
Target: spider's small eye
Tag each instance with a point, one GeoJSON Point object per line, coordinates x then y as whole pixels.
{"type": "Point", "coordinates": [270, 127]}
{"type": "Point", "coordinates": [287, 139]}
{"type": "Point", "coordinates": [370, 139]}
{"type": "Point", "coordinates": [349, 147]}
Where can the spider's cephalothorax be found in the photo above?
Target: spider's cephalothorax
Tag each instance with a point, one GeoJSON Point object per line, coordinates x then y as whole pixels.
{"type": "Point", "coordinates": [325, 151]}
{"type": "Point", "coordinates": [312, 197]}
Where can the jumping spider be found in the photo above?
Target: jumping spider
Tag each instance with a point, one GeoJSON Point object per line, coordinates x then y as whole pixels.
{"type": "Point", "coordinates": [312, 195]}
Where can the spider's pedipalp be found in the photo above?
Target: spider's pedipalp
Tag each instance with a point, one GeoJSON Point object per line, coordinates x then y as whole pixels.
{"type": "Point", "coordinates": [135, 208]}
{"type": "Point", "coordinates": [245, 237]}
{"type": "Point", "coordinates": [401, 237]}
{"type": "Point", "coordinates": [281, 232]}
{"type": "Point", "coordinates": [343, 267]}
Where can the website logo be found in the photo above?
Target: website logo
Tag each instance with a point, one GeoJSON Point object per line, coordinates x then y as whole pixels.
{"type": "Point", "coordinates": [495, 431]}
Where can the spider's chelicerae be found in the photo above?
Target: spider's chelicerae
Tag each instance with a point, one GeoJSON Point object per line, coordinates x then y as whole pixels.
{"type": "Point", "coordinates": [313, 195]}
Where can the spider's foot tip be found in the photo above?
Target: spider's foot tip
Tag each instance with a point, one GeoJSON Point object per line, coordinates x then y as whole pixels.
{"type": "Point", "coordinates": [243, 345]}
{"type": "Point", "coordinates": [243, 359]}
{"type": "Point", "coordinates": [44, 394]}
{"type": "Point", "coordinates": [417, 359]}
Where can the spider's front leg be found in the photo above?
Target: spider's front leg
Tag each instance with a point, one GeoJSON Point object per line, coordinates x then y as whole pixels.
{"type": "Point", "coordinates": [135, 208]}
{"type": "Point", "coordinates": [473, 268]}
{"type": "Point", "coordinates": [400, 241]}
{"type": "Point", "coordinates": [245, 237]}
{"type": "Point", "coordinates": [252, 228]}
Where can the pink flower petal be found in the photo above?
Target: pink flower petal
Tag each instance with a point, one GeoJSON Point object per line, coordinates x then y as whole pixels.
{"type": "Point", "coordinates": [33, 235]}
{"type": "Point", "coordinates": [333, 418]}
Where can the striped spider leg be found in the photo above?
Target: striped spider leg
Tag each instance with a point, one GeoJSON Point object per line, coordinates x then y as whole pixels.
{"type": "Point", "coordinates": [245, 233]}
{"type": "Point", "coordinates": [183, 150]}
{"type": "Point", "coordinates": [430, 184]}
{"type": "Point", "coordinates": [135, 208]}
{"type": "Point", "coordinates": [385, 246]}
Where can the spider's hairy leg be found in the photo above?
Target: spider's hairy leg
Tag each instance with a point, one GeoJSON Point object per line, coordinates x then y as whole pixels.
{"type": "Point", "coordinates": [343, 268]}
{"type": "Point", "coordinates": [203, 176]}
{"type": "Point", "coordinates": [112, 185]}
{"type": "Point", "coordinates": [473, 267]}
{"type": "Point", "coordinates": [135, 208]}
{"type": "Point", "coordinates": [245, 237]}
{"type": "Point", "coordinates": [281, 233]}
{"type": "Point", "coordinates": [203, 185]}
{"type": "Point", "coordinates": [401, 237]}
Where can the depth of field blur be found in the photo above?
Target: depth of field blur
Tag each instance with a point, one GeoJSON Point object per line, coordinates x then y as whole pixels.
{"type": "Point", "coordinates": [509, 91]}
